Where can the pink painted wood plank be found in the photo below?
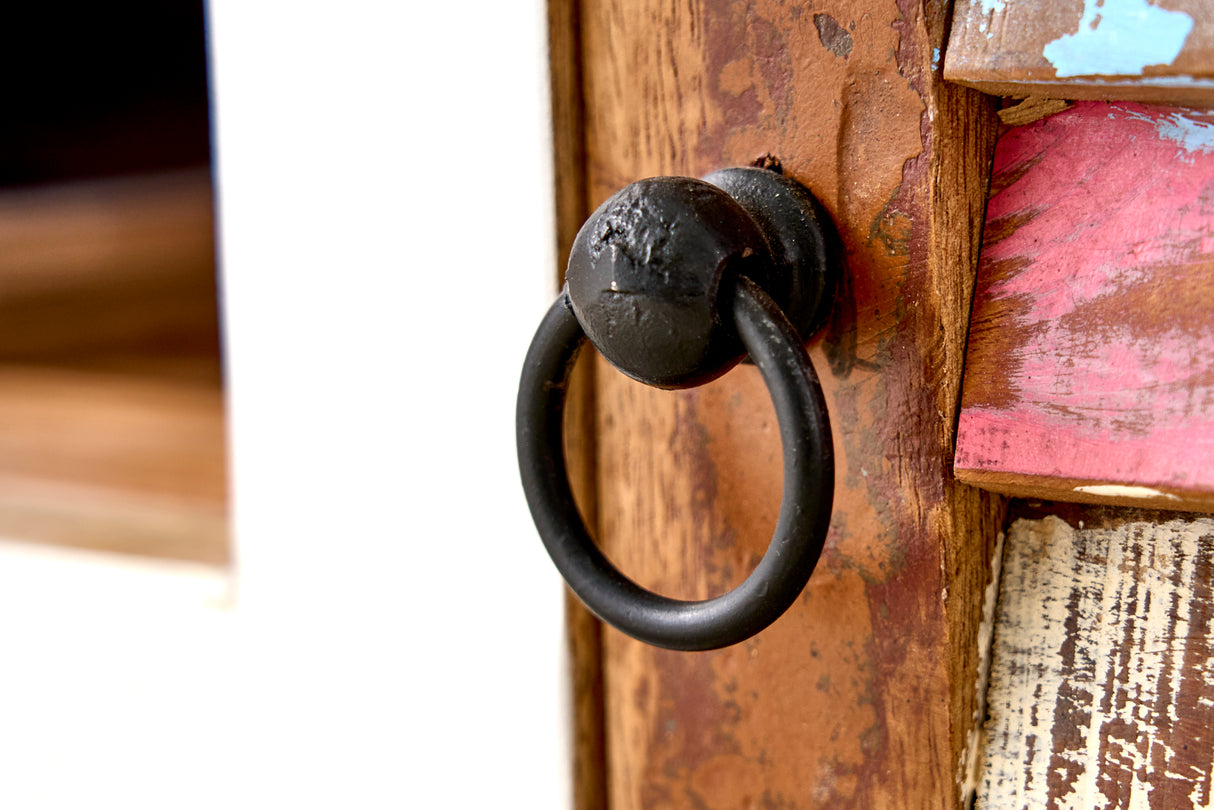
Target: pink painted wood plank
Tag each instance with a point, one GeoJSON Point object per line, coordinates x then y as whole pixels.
{"type": "Point", "coordinates": [1091, 351]}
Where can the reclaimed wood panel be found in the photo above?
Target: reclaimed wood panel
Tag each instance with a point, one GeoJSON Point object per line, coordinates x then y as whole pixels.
{"type": "Point", "coordinates": [1157, 51]}
{"type": "Point", "coordinates": [1088, 374]}
{"type": "Point", "coordinates": [1102, 673]}
{"type": "Point", "coordinates": [864, 693]}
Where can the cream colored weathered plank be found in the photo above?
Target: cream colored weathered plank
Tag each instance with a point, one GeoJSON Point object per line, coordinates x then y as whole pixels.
{"type": "Point", "coordinates": [1102, 676]}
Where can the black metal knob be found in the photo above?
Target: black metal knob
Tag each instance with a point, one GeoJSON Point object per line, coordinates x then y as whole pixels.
{"type": "Point", "coordinates": [673, 281]}
{"type": "Point", "coordinates": [646, 271]}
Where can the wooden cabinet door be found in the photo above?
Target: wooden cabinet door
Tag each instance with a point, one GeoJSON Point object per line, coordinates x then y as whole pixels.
{"type": "Point", "coordinates": [863, 694]}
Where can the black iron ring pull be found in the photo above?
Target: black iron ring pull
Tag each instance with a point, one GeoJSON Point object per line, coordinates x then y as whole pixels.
{"type": "Point", "coordinates": [710, 305]}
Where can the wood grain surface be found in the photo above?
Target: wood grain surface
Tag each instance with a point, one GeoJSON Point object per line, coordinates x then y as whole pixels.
{"type": "Point", "coordinates": [1102, 673]}
{"type": "Point", "coordinates": [863, 694]}
{"type": "Point", "coordinates": [1088, 376]}
{"type": "Point", "coordinates": [1159, 51]}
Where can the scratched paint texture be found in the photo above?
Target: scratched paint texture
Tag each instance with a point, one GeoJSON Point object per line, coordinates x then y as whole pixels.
{"type": "Point", "coordinates": [1146, 50]}
{"type": "Point", "coordinates": [1102, 673]}
{"type": "Point", "coordinates": [1093, 319]}
{"type": "Point", "coordinates": [863, 694]}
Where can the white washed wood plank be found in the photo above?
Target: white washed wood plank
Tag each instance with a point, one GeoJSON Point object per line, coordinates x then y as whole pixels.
{"type": "Point", "coordinates": [1102, 675]}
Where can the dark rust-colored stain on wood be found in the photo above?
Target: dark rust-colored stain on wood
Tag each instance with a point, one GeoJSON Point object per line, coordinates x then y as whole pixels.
{"type": "Point", "coordinates": [862, 694]}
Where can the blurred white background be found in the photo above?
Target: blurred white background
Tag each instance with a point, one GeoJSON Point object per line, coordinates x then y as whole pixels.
{"type": "Point", "coordinates": [391, 634]}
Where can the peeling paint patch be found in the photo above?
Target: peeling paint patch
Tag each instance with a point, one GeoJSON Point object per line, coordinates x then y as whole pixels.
{"type": "Point", "coordinates": [833, 36]}
{"type": "Point", "coordinates": [1192, 136]}
{"type": "Point", "coordinates": [990, 10]}
{"type": "Point", "coordinates": [1119, 38]}
{"type": "Point", "coordinates": [1122, 491]}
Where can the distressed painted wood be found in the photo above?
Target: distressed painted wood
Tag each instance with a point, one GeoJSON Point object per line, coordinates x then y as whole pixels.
{"type": "Point", "coordinates": [1144, 50]}
{"type": "Point", "coordinates": [864, 694]}
{"type": "Point", "coordinates": [1102, 674]}
{"type": "Point", "coordinates": [1088, 374]}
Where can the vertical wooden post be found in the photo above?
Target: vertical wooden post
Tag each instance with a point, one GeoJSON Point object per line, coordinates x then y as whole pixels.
{"type": "Point", "coordinates": [863, 695]}
{"type": "Point", "coordinates": [583, 630]}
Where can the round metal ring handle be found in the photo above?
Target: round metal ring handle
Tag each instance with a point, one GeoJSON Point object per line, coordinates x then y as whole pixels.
{"type": "Point", "coordinates": [805, 508]}
{"type": "Point", "coordinates": [674, 281]}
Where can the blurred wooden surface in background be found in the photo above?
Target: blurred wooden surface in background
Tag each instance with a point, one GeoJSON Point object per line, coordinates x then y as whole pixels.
{"type": "Point", "coordinates": [111, 398]}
